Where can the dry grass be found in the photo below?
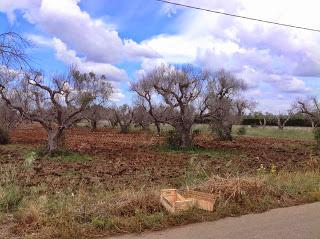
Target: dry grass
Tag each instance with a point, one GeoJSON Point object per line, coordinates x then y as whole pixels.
{"type": "Point", "coordinates": [83, 214]}
{"type": "Point", "coordinates": [234, 188]}
{"type": "Point", "coordinates": [86, 214]}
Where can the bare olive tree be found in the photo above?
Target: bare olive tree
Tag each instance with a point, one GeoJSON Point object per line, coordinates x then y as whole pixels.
{"type": "Point", "coordinates": [309, 107]}
{"type": "Point", "coordinates": [223, 105]}
{"type": "Point", "coordinates": [179, 89]}
{"type": "Point", "coordinates": [141, 117]}
{"type": "Point", "coordinates": [263, 122]}
{"type": "Point", "coordinates": [242, 105]}
{"type": "Point", "coordinates": [110, 116]}
{"type": "Point", "coordinates": [9, 118]}
{"type": "Point", "coordinates": [146, 99]}
{"type": "Point", "coordinates": [313, 122]}
{"type": "Point", "coordinates": [124, 117]}
{"type": "Point", "coordinates": [96, 109]}
{"type": "Point", "coordinates": [56, 104]}
{"type": "Point", "coordinates": [13, 58]}
{"type": "Point", "coordinates": [282, 120]}
{"type": "Point", "coordinates": [13, 50]}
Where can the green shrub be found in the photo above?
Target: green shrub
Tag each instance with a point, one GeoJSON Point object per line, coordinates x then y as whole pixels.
{"type": "Point", "coordinates": [98, 223]}
{"type": "Point", "coordinates": [242, 131]}
{"type": "Point", "coordinates": [4, 136]}
{"type": "Point", "coordinates": [10, 198]}
{"type": "Point", "coordinates": [173, 139]}
{"type": "Point", "coordinates": [317, 136]}
{"type": "Point", "coordinates": [196, 132]}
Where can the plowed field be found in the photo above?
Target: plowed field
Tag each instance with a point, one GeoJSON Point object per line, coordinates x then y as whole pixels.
{"type": "Point", "coordinates": [136, 159]}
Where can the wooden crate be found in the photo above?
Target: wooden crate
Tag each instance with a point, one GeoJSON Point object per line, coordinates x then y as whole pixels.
{"type": "Point", "coordinates": [204, 201]}
{"type": "Point", "coordinates": [174, 202]}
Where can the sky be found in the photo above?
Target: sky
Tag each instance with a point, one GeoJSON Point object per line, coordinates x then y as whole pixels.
{"type": "Point", "coordinates": [124, 39]}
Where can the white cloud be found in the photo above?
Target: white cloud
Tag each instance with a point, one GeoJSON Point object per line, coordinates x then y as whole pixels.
{"type": "Point", "coordinates": [39, 40]}
{"type": "Point", "coordinates": [185, 49]}
{"type": "Point", "coordinates": [117, 96]}
{"type": "Point", "coordinates": [261, 54]}
{"type": "Point", "coordinates": [9, 7]}
{"type": "Point", "coordinates": [148, 65]}
{"type": "Point", "coordinates": [214, 38]}
{"type": "Point", "coordinates": [95, 39]}
{"type": "Point", "coordinates": [113, 74]}
{"type": "Point", "coordinates": [289, 84]}
{"type": "Point", "coordinates": [69, 57]}
{"type": "Point", "coordinates": [273, 60]}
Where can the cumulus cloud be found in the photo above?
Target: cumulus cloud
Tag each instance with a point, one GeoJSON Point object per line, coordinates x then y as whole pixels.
{"type": "Point", "coordinates": [117, 95]}
{"type": "Point", "coordinates": [289, 84]}
{"type": "Point", "coordinates": [113, 74]}
{"type": "Point", "coordinates": [95, 39]}
{"type": "Point", "coordinates": [271, 49]}
{"type": "Point", "coordinates": [69, 57]}
{"type": "Point", "coordinates": [266, 56]}
{"type": "Point", "coordinates": [273, 60]}
{"type": "Point", "coordinates": [38, 40]}
{"type": "Point", "coordinates": [9, 7]}
{"type": "Point", "coordinates": [148, 65]}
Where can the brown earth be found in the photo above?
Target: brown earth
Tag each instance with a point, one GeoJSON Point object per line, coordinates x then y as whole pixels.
{"type": "Point", "coordinates": [136, 160]}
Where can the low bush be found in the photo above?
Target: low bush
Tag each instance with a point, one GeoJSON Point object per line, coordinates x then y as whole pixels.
{"type": "Point", "coordinates": [196, 132]}
{"type": "Point", "coordinates": [173, 139]}
{"type": "Point", "coordinates": [4, 137]}
{"type": "Point", "coordinates": [10, 198]}
{"type": "Point", "coordinates": [61, 155]}
{"type": "Point", "coordinates": [242, 131]}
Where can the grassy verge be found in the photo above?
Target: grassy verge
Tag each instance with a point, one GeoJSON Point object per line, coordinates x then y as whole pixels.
{"type": "Point", "coordinates": [95, 212]}
{"type": "Point", "coordinates": [63, 155]}
{"type": "Point", "coordinates": [196, 151]}
{"type": "Point", "coordinates": [298, 133]}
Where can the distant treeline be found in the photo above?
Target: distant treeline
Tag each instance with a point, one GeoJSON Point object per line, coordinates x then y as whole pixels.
{"type": "Point", "coordinates": [271, 120]}
{"type": "Point", "coordinates": [297, 121]}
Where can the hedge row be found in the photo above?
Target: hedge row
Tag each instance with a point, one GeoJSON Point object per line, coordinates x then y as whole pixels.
{"type": "Point", "coordinates": [298, 122]}
{"type": "Point", "coordinates": [249, 120]}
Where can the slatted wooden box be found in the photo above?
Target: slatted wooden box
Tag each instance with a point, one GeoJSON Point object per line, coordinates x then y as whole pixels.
{"type": "Point", "coordinates": [174, 202]}
{"type": "Point", "coordinates": [204, 201]}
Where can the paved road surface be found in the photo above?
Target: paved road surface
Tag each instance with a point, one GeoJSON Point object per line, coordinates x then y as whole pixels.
{"type": "Point", "coordinates": [300, 222]}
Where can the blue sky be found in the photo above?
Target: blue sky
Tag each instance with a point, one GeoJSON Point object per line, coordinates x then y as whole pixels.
{"type": "Point", "coordinates": [125, 39]}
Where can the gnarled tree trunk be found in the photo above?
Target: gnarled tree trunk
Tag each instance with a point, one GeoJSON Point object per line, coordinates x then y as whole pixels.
{"type": "Point", "coordinates": [186, 139]}
{"type": "Point", "coordinates": [124, 128]}
{"type": "Point", "coordinates": [263, 123]}
{"type": "Point", "coordinates": [145, 127]}
{"type": "Point", "coordinates": [185, 135]}
{"type": "Point", "coordinates": [94, 125]}
{"type": "Point", "coordinates": [222, 130]}
{"type": "Point", "coordinates": [282, 123]}
{"type": "Point", "coordinates": [158, 128]}
{"type": "Point", "coordinates": [54, 139]}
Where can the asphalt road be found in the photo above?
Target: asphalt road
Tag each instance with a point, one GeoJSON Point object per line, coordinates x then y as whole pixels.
{"type": "Point", "coordinates": [300, 222]}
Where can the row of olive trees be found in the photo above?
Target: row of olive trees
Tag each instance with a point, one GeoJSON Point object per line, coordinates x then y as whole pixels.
{"type": "Point", "coordinates": [179, 95]}
{"type": "Point", "coordinates": [56, 103]}
{"type": "Point", "coordinates": [168, 94]}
